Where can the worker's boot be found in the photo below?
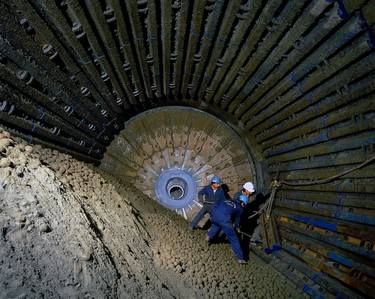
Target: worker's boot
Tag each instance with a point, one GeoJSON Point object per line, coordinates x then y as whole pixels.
{"type": "Point", "coordinates": [242, 262]}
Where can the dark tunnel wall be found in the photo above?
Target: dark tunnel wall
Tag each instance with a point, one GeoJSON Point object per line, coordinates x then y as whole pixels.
{"type": "Point", "coordinates": [295, 78]}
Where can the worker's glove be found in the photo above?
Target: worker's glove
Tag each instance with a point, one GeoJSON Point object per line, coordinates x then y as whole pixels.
{"type": "Point", "coordinates": [238, 230]}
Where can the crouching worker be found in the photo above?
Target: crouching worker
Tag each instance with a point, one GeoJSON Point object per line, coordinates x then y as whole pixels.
{"type": "Point", "coordinates": [213, 194]}
{"type": "Point", "coordinates": [222, 216]}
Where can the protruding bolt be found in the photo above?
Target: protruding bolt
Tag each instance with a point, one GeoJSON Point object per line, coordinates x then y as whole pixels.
{"type": "Point", "coordinates": [26, 25]}
{"type": "Point", "coordinates": [119, 101]}
{"type": "Point", "coordinates": [63, 3]}
{"type": "Point", "coordinates": [104, 112]}
{"type": "Point", "coordinates": [55, 131]}
{"type": "Point", "coordinates": [142, 6]}
{"type": "Point", "coordinates": [197, 57]}
{"type": "Point", "coordinates": [225, 97]}
{"type": "Point", "coordinates": [176, 4]}
{"type": "Point", "coordinates": [108, 11]}
{"type": "Point", "coordinates": [109, 15]}
{"type": "Point", "coordinates": [3, 105]}
{"type": "Point", "coordinates": [209, 7]}
{"type": "Point", "coordinates": [68, 109]}
{"type": "Point", "coordinates": [11, 109]}
{"type": "Point", "coordinates": [85, 91]}
{"type": "Point", "coordinates": [104, 76]}
{"type": "Point", "coordinates": [220, 62]}
{"type": "Point", "coordinates": [150, 59]}
{"type": "Point", "coordinates": [126, 66]}
{"type": "Point", "coordinates": [50, 51]}
{"type": "Point", "coordinates": [174, 56]}
{"type": "Point", "coordinates": [25, 77]}
{"type": "Point", "coordinates": [78, 30]}
{"type": "Point", "coordinates": [53, 99]}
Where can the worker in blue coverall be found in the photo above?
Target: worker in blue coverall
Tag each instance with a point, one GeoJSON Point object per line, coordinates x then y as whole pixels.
{"type": "Point", "coordinates": [226, 216]}
{"type": "Point", "coordinates": [213, 194]}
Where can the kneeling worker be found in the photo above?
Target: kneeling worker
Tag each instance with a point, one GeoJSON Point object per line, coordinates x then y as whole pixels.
{"type": "Point", "coordinates": [247, 189]}
{"type": "Point", "coordinates": [213, 194]}
{"type": "Point", "coordinates": [222, 216]}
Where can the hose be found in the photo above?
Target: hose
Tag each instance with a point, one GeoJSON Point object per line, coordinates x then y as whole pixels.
{"type": "Point", "coordinates": [327, 180]}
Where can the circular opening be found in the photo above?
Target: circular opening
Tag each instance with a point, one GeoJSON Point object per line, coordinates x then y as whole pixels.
{"type": "Point", "coordinates": [176, 192]}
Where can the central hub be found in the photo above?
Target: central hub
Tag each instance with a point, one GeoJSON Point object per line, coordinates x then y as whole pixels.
{"type": "Point", "coordinates": [175, 188]}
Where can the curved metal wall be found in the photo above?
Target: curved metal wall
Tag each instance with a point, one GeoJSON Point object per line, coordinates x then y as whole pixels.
{"type": "Point", "coordinates": [295, 78]}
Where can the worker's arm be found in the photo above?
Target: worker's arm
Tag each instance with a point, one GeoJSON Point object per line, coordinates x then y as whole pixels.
{"type": "Point", "coordinates": [201, 193]}
{"type": "Point", "coordinates": [237, 218]}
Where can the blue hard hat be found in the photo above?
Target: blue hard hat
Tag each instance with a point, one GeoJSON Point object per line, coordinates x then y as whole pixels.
{"type": "Point", "coordinates": [244, 199]}
{"type": "Point", "coordinates": [215, 179]}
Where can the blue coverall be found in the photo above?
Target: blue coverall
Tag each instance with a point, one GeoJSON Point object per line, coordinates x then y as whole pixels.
{"type": "Point", "coordinates": [211, 198]}
{"type": "Point", "coordinates": [222, 217]}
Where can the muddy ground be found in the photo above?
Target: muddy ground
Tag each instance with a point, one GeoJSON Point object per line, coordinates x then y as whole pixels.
{"type": "Point", "coordinates": [70, 231]}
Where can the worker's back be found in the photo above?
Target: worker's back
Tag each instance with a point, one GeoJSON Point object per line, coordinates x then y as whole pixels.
{"type": "Point", "coordinates": [226, 211]}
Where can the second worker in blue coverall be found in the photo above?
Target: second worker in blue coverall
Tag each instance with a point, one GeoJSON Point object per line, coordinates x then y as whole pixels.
{"type": "Point", "coordinates": [213, 194]}
{"type": "Point", "coordinates": [223, 216]}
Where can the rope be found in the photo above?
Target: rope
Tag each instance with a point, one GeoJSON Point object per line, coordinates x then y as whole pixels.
{"type": "Point", "coordinates": [245, 234]}
{"type": "Point", "coordinates": [269, 203]}
{"type": "Point", "coordinates": [327, 180]}
{"type": "Point", "coordinates": [277, 184]}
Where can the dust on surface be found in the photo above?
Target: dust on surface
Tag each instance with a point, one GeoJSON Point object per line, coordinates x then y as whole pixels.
{"type": "Point", "coordinates": [69, 231]}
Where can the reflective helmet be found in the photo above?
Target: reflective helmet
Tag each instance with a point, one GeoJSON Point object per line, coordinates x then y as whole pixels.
{"type": "Point", "coordinates": [244, 199]}
{"type": "Point", "coordinates": [215, 180]}
{"type": "Point", "coordinates": [249, 187]}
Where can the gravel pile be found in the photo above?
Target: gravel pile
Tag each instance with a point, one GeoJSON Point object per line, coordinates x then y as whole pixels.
{"type": "Point", "coordinates": [70, 231]}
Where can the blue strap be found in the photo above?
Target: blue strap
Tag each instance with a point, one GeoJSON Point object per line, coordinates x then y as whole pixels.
{"type": "Point", "coordinates": [194, 33]}
{"type": "Point", "coordinates": [33, 126]}
{"type": "Point", "coordinates": [41, 111]}
{"type": "Point", "coordinates": [84, 60]}
{"type": "Point", "coordinates": [315, 277]}
{"type": "Point", "coordinates": [29, 139]}
{"type": "Point", "coordinates": [342, 10]}
{"type": "Point", "coordinates": [293, 77]}
{"type": "Point", "coordinates": [370, 33]}
{"type": "Point", "coordinates": [208, 35]}
{"type": "Point", "coordinates": [98, 56]}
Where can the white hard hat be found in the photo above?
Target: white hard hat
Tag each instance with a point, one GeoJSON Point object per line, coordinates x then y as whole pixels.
{"type": "Point", "coordinates": [249, 187]}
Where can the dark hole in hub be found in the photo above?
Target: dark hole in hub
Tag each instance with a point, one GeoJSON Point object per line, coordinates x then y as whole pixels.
{"type": "Point", "coordinates": [176, 192]}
